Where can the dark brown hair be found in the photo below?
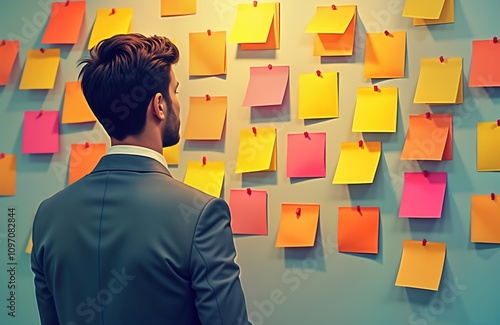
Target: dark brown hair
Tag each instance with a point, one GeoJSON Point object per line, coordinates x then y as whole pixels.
{"type": "Point", "coordinates": [122, 75]}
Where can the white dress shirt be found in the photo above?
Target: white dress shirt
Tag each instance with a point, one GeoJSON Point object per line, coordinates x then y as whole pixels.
{"type": "Point", "coordinates": [138, 151]}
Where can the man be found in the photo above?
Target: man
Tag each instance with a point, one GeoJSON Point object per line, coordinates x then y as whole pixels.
{"type": "Point", "coordinates": [128, 244]}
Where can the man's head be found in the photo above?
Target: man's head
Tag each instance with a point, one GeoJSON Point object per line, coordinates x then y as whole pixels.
{"type": "Point", "coordinates": [130, 86]}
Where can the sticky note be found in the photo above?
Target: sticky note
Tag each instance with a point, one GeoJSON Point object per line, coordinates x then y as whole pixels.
{"type": "Point", "coordinates": [429, 138]}
{"type": "Point", "coordinates": [357, 165]}
{"type": "Point", "coordinates": [318, 95]}
{"type": "Point", "coordinates": [29, 246]}
{"type": "Point", "coordinates": [40, 132]}
{"type": "Point", "coordinates": [334, 30]}
{"type": "Point", "coordinates": [440, 83]}
{"type": "Point", "coordinates": [485, 219]}
{"type": "Point", "coordinates": [256, 152]}
{"type": "Point", "coordinates": [206, 118]}
{"type": "Point", "coordinates": [423, 196]}
{"type": "Point", "coordinates": [257, 27]}
{"type": "Point", "coordinates": [484, 69]}
{"type": "Point", "coordinates": [40, 69]}
{"type": "Point", "coordinates": [208, 177]}
{"type": "Point", "coordinates": [7, 175]}
{"type": "Point", "coordinates": [172, 154]}
{"type": "Point", "coordinates": [83, 159]}
{"type": "Point", "coordinates": [266, 86]}
{"type": "Point", "coordinates": [207, 53]}
{"type": "Point", "coordinates": [447, 16]}
{"type": "Point", "coordinates": [385, 55]}
{"type": "Point", "coordinates": [358, 231]}
{"type": "Point", "coordinates": [298, 230]}
{"type": "Point", "coordinates": [376, 111]}
{"type": "Point", "coordinates": [427, 9]}
{"type": "Point", "coordinates": [488, 146]}
{"type": "Point", "coordinates": [65, 23]}
{"type": "Point", "coordinates": [8, 55]}
{"type": "Point", "coordinates": [305, 155]}
{"type": "Point", "coordinates": [177, 7]}
{"type": "Point", "coordinates": [421, 266]}
{"type": "Point", "coordinates": [75, 106]}
{"type": "Point", "coordinates": [248, 212]}
{"type": "Point", "coordinates": [110, 22]}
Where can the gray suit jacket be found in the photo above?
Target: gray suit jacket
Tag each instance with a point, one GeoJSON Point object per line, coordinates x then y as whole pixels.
{"type": "Point", "coordinates": [128, 244]}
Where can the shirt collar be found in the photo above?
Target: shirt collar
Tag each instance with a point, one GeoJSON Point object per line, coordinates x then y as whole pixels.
{"type": "Point", "coordinates": [138, 151]}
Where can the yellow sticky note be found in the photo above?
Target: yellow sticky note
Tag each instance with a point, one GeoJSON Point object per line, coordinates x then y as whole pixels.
{"type": "Point", "coordinates": [440, 82]}
{"type": "Point", "coordinates": [385, 55]}
{"type": "Point", "coordinates": [206, 118]}
{"type": "Point", "coordinates": [427, 9]}
{"type": "Point", "coordinates": [447, 16]}
{"type": "Point", "coordinates": [318, 95]}
{"type": "Point", "coordinates": [177, 7]}
{"type": "Point", "coordinates": [488, 146]}
{"type": "Point", "coordinates": [376, 111]}
{"type": "Point", "coordinates": [257, 27]}
{"type": "Point", "coordinates": [75, 107]}
{"type": "Point", "coordinates": [207, 53]}
{"type": "Point", "coordinates": [208, 177]}
{"type": "Point", "coordinates": [40, 70]}
{"type": "Point", "coordinates": [357, 164]}
{"type": "Point", "coordinates": [110, 22]}
{"type": "Point", "coordinates": [7, 175]}
{"type": "Point", "coordinates": [421, 266]}
{"type": "Point", "coordinates": [172, 154]}
{"type": "Point", "coordinates": [257, 151]}
{"type": "Point", "coordinates": [485, 219]}
{"type": "Point", "coordinates": [298, 225]}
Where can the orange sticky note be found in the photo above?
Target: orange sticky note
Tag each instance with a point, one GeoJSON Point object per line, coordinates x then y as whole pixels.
{"type": "Point", "coordinates": [177, 7]}
{"type": "Point", "coordinates": [110, 22]}
{"type": "Point", "coordinates": [75, 106]}
{"type": "Point", "coordinates": [421, 266]}
{"type": "Point", "coordinates": [485, 219]}
{"type": "Point", "coordinates": [65, 23]}
{"type": "Point", "coordinates": [206, 118]}
{"type": "Point", "coordinates": [207, 54]}
{"type": "Point", "coordinates": [429, 138]}
{"type": "Point", "coordinates": [8, 175]}
{"type": "Point", "coordinates": [8, 55]}
{"type": "Point", "coordinates": [385, 55]}
{"type": "Point", "coordinates": [40, 132]}
{"type": "Point", "coordinates": [484, 69]}
{"type": "Point", "coordinates": [447, 16]}
{"type": "Point", "coordinates": [172, 154]}
{"type": "Point", "coordinates": [248, 212]}
{"type": "Point", "coordinates": [266, 86]}
{"type": "Point", "coordinates": [298, 229]}
{"type": "Point", "coordinates": [358, 231]}
{"type": "Point", "coordinates": [334, 30]}
{"type": "Point", "coordinates": [83, 159]}
{"type": "Point", "coordinates": [40, 70]}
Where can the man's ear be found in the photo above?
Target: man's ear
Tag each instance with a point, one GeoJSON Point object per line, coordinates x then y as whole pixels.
{"type": "Point", "coordinates": [158, 106]}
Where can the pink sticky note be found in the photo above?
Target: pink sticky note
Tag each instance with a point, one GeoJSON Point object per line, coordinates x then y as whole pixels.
{"type": "Point", "coordinates": [484, 69]}
{"type": "Point", "coordinates": [41, 132]}
{"type": "Point", "coordinates": [423, 197]}
{"type": "Point", "coordinates": [248, 212]}
{"type": "Point", "coordinates": [306, 155]}
{"type": "Point", "coordinates": [266, 86]}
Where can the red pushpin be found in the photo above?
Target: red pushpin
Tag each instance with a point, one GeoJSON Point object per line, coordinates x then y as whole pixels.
{"type": "Point", "coordinates": [297, 212]}
{"type": "Point", "coordinates": [424, 242]}
{"type": "Point", "coordinates": [42, 50]}
{"type": "Point", "coordinates": [306, 134]}
{"type": "Point", "coordinates": [334, 7]}
{"type": "Point", "coordinates": [269, 66]}
{"type": "Point", "coordinates": [209, 32]}
{"type": "Point", "coordinates": [358, 208]}
{"type": "Point", "coordinates": [426, 173]}
{"type": "Point", "coordinates": [255, 3]}
{"type": "Point", "coordinates": [113, 11]}
{"type": "Point", "coordinates": [386, 32]}
{"type": "Point", "coordinates": [495, 40]}
{"type": "Point", "coordinates": [87, 145]}
{"type": "Point", "coordinates": [493, 196]}
{"type": "Point", "coordinates": [360, 143]}
{"type": "Point", "coordinates": [67, 3]}
{"type": "Point", "coordinates": [441, 59]}
{"type": "Point", "coordinates": [2, 155]}
{"type": "Point", "coordinates": [318, 73]}
{"type": "Point", "coordinates": [207, 97]}
{"type": "Point", "coordinates": [249, 191]}
{"type": "Point", "coordinates": [375, 88]}
{"type": "Point", "coordinates": [41, 112]}
{"type": "Point", "coordinates": [204, 160]}
{"type": "Point", "coordinates": [428, 115]}
{"type": "Point", "coordinates": [3, 42]}
{"type": "Point", "coordinates": [254, 130]}
{"type": "Point", "coordinates": [498, 122]}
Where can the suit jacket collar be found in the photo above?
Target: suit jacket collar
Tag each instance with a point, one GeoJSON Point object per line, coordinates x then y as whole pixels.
{"type": "Point", "coordinates": [133, 163]}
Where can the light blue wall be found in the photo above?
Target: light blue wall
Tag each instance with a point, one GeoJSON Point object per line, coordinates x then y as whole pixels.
{"type": "Point", "coordinates": [309, 286]}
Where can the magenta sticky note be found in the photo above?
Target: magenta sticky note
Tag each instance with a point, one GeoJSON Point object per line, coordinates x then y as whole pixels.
{"type": "Point", "coordinates": [41, 132]}
{"type": "Point", "coordinates": [248, 212]}
{"type": "Point", "coordinates": [267, 86]}
{"type": "Point", "coordinates": [423, 196]}
{"type": "Point", "coordinates": [306, 155]}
